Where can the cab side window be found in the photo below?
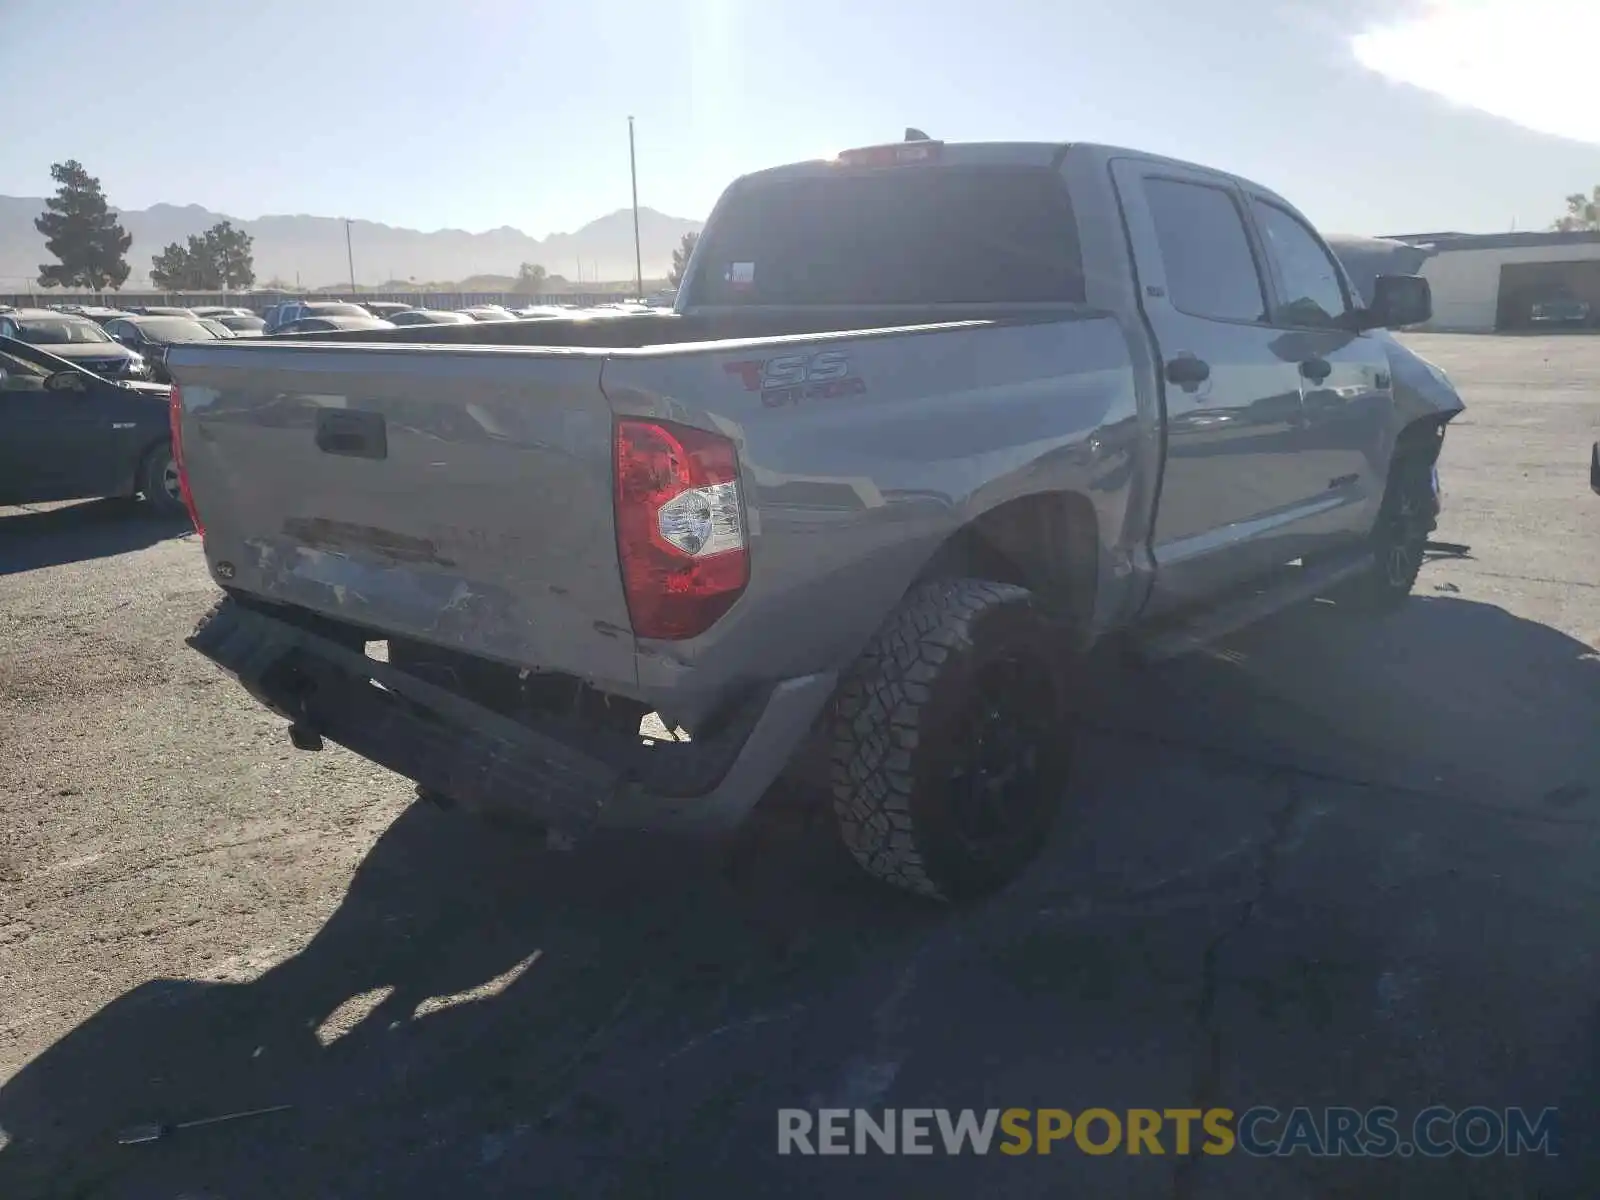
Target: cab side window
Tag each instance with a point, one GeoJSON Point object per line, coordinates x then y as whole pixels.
{"type": "Point", "coordinates": [1205, 251]}
{"type": "Point", "coordinates": [1312, 294]}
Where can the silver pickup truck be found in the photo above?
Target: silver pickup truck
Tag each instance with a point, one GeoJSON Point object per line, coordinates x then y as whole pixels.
{"type": "Point", "coordinates": [927, 421]}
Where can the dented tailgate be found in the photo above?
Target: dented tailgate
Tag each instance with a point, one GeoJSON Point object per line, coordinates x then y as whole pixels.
{"type": "Point", "coordinates": [461, 496]}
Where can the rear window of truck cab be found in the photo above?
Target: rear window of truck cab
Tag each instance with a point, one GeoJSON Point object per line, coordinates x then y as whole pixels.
{"type": "Point", "coordinates": [904, 235]}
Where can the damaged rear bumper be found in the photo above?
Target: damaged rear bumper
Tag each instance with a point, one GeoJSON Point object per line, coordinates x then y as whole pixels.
{"type": "Point", "coordinates": [481, 758]}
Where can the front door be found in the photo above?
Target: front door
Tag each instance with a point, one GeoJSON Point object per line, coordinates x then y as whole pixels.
{"type": "Point", "coordinates": [1345, 386]}
{"type": "Point", "coordinates": [1233, 482]}
{"type": "Point", "coordinates": [54, 445]}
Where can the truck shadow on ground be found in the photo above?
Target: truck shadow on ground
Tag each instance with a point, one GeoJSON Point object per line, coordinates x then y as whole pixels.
{"type": "Point", "coordinates": [478, 1012]}
{"type": "Point", "coordinates": [31, 538]}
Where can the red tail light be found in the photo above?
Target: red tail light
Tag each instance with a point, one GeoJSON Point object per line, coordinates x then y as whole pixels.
{"type": "Point", "coordinates": [680, 527]}
{"type": "Point", "coordinates": [893, 154]}
{"type": "Point", "coordinates": [175, 419]}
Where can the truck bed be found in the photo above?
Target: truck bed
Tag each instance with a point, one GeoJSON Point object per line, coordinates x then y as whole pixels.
{"type": "Point", "coordinates": [454, 485]}
{"type": "Point", "coordinates": [663, 329]}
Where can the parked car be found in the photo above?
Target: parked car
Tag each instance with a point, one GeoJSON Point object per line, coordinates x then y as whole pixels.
{"type": "Point", "coordinates": [248, 325]}
{"type": "Point", "coordinates": [69, 434]}
{"type": "Point", "coordinates": [152, 337]}
{"type": "Point", "coordinates": [76, 339]}
{"type": "Point", "coordinates": [289, 311]}
{"type": "Point", "coordinates": [160, 310]}
{"type": "Point", "coordinates": [429, 316]}
{"type": "Point", "coordinates": [1559, 314]}
{"type": "Point", "coordinates": [926, 423]}
{"type": "Point", "coordinates": [332, 324]}
{"type": "Point", "coordinates": [488, 312]}
{"type": "Point", "coordinates": [217, 328]}
{"type": "Point", "coordinates": [385, 308]}
{"type": "Point", "coordinates": [100, 315]}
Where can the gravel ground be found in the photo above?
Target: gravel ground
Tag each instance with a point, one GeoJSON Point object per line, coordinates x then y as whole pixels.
{"type": "Point", "coordinates": [1327, 863]}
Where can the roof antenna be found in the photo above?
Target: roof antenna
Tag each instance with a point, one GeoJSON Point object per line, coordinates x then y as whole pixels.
{"type": "Point", "coordinates": [916, 135]}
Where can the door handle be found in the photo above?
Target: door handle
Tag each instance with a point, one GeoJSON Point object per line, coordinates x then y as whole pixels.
{"type": "Point", "coordinates": [1187, 371]}
{"type": "Point", "coordinates": [1316, 369]}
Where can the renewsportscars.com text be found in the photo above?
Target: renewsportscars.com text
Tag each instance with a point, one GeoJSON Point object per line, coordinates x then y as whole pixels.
{"type": "Point", "coordinates": [1261, 1131]}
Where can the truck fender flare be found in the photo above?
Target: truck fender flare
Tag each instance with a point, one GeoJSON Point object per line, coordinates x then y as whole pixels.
{"type": "Point", "coordinates": [1047, 542]}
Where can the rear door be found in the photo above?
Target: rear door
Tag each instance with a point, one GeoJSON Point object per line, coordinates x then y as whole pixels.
{"type": "Point", "coordinates": [1233, 484]}
{"type": "Point", "coordinates": [1345, 386]}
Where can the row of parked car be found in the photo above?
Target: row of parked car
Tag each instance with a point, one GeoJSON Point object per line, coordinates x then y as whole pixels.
{"type": "Point", "coordinates": [84, 390]}
{"type": "Point", "coordinates": [132, 343]}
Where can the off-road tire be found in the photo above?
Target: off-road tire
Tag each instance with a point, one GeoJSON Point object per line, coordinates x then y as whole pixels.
{"type": "Point", "coordinates": [1399, 542]}
{"type": "Point", "coordinates": [896, 734]}
{"type": "Point", "coordinates": [158, 481]}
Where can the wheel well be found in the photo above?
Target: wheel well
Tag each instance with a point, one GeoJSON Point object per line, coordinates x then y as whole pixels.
{"type": "Point", "coordinates": [1421, 440]}
{"type": "Point", "coordinates": [1047, 543]}
{"type": "Point", "coordinates": [143, 461]}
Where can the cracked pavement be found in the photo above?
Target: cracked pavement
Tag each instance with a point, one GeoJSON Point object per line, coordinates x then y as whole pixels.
{"type": "Point", "coordinates": [1325, 863]}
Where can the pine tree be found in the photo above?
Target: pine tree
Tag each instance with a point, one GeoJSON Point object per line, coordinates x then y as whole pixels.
{"type": "Point", "coordinates": [82, 232]}
{"type": "Point", "coordinates": [680, 258]}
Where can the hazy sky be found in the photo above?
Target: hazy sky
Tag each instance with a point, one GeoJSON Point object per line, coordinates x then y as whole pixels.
{"type": "Point", "coordinates": [1373, 117]}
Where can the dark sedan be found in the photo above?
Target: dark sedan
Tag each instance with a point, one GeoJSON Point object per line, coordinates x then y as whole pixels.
{"type": "Point", "coordinates": [68, 434]}
{"type": "Point", "coordinates": [152, 336]}
{"type": "Point", "coordinates": [75, 339]}
{"type": "Point", "coordinates": [333, 324]}
{"type": "Point", "coordinates": [1564, 313]}
{"type": "Point", "coordinates": [291, 311]}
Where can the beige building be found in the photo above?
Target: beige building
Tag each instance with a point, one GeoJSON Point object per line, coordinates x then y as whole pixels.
{"type": "Point", "coordinates": [1486, 282]}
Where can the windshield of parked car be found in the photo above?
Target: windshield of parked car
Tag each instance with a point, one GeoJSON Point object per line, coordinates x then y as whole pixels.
{"type": "Point", "coordinates": [915, 235]}
{"type": "Point", "coordinates": [45, 332]}
{"type": "Point", "coordinates": [340, 310]}
{"type": "Point", "coordinates": [174, 329]}
{"type": "Point", "coordinates": [233, 322]}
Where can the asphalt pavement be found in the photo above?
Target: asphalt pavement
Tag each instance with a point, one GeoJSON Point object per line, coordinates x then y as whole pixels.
{"type": "Point", "coordinates": [1330, 863]}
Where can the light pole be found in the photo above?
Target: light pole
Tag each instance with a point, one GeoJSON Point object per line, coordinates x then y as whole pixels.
{"type": "Point", "coordinates": [638, 257]}
{"type": "Point", "coordinates": [350, 255]}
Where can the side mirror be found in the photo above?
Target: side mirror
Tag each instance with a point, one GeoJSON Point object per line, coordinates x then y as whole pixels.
{"type": "Point", "coordinates": [64, 381]}
{"type": "Point", "coordinates": [1398, 301]}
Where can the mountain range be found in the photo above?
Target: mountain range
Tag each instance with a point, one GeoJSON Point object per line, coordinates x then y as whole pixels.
{"type": "Point", "coordinates": [310, 251]}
